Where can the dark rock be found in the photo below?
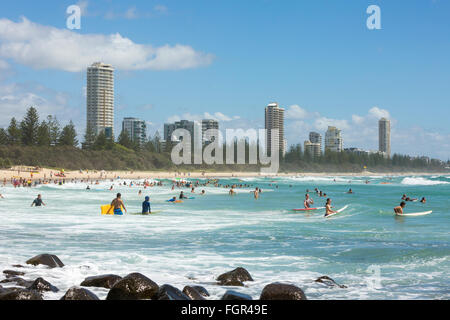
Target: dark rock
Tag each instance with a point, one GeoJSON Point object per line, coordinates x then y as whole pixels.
{"type": "Point", "coordinates": [13, 273]}
{"type": "Point", "coordinates": [41, 285]}
{"type": "Point", "coordinates": [19, 294]}
{"type": "Point", "coordinates": [18, 266]}
{"type": "Point", "coordinates": [235, 278]}
{"type": "Point", "coordinates": [280, 291]}
{"type": "Point", "coordinates": [233, 295]}
{"type": "Point", "coordinates": [75, 293]}
{"type": "Point", "coordinates": [19, 281]}
{"type": "Point", "coordinates": [329, 282]}
{"type": "Point", "coordinates": [192, 293]}
{"type": "Point", "coordinates": [134, 286]}
{"type": "Point", "coordinates": [104, 281]}
{"type": "Point", "coordinates": [168, 292]}
{"type": "Point", "coordinates": [46, 259]}
{"type": "Point", "coordinates": [201, 290]}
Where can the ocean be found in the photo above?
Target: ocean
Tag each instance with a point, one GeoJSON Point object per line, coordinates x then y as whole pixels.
{"type": "Point", "coordinates": [366, 248]}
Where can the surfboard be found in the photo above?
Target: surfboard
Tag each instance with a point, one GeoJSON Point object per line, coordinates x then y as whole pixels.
{"type": "Point", "coordinates": [177, 201]}
{"type": "Point", "coordinates": [338, 211]}
{"type": "Point", "coordinates": [106, 208]}
{"type": "Point", "coordinates": [146, 214]}
{"type": "Point", "coordinates": [308, 209]}
{"type": "Point", "coordinates": [417, 214]}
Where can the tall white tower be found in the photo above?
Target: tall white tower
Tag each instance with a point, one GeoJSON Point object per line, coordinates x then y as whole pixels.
{"type": "Point", "coordinates": [384, 131]}
{"type": "Point", "coordinates": [100, 98]}
{"type": "Point", "coordinates": [275, 120]}
{"type": "Point", "coordinates": [333, 140]}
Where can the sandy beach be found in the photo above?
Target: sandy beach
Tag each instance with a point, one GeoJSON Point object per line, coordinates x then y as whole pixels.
{"type": "Point", "coordinates": [27, 173]}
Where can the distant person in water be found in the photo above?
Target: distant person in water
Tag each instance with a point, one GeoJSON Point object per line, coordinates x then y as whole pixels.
{"type": "Point", "coordinates": [350, 191]}
{"type": "Point", "coordinates": [146, 207]}
{"type": "Point", "coordinates": [38, 201]}
{"type": "Point", "coordinates": [182, 196]}
{"type": "Point", "coordinates": [1, 196]}
{"type": "Point", "coordinates": [399, 209]}
{"type": "Point", "coordinates": [423, 200]}
{"type": "Point", "coordinates": [174, 199]}
{"type": "Point", "coordinates": [203, 192]}
{"type": "Point", "coordinates": [232, 192]}
{"type": "Point", "coordinates": [308, 202]}
{"type": "Point", "coordinates": [328, 208]}
{"type": "Point", "coordinates": [117, 204]}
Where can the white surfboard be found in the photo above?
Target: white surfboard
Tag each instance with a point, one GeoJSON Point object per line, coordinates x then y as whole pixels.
{"type": "Point", "coordinates": [338, 211]}
{"type": "Point", "coordinates": [418, 214]}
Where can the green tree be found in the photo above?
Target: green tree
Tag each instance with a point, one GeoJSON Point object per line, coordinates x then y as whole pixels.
{"type": "Point", "coordinates": [89, 138]}
{"type": "Point", "coordinates": [3, 137]}
{"type": "Point", "coordinates": [43, 134]}
{"type": "Point", "coordinates": [124, 140]}
{"type": "Point", "coordinates": [55, 130]}
{"type": "Point", "coordinates": [29, 127]}
{"type": "Point", "coordinates": [14, 133]}
{"type": "Point", "coordinates": [68, 136]}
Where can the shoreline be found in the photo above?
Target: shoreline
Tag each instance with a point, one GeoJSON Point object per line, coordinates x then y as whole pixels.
{"type": "Point", "coordinates": [46, 174]}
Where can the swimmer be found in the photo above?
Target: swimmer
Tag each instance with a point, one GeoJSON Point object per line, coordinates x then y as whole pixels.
{"type": "Point", "coordinates": [328, 208]}
{"type": "Point", "coordinates": [350, 191]}
{"type": "Point", "coordinates": [38, 201]}
{"type": "Point", "coordinates": [146, 207]}
{"type": "Point", "coordinates": [117, 204]}
{"type": "Point", "coordinates": [308, 202]}
{"type": "Point", "coordinates": [399, 209]}
{"type": "Point", "coordinates": [423, 200]}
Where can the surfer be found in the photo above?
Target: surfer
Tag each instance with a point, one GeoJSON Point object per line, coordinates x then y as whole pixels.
{"type": "Point", "coordinates": [118, 204]}
{"type": "Point", "coordinates": [146, 208]}
{"type": "Point", "coordinates": [328, 208]}
{"type": "Point", "coordinates": [38, 201]}
{"type": "Point", "coordinates": [308, 202]}
{"type": "Point", "coordinates": [399, 209]}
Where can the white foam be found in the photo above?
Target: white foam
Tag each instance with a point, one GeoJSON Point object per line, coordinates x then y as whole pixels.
{"type": "Point", "coordinates": [419, 181]}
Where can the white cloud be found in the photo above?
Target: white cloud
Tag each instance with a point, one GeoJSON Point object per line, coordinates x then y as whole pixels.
{"type": "Point", "coordinates": [322, 123]}
{"type": "Point", "coordinates": [45, 47]}
{"type": "Point", "coordinates": [161, 9]}
{"type": "Point", "coordinates": [379, 113]}
{"type": "Point", "coordinates": [218, 116]}
{"type": "Point", "coordinates": [131, 13]}
{"type": "Point", "coordinates": [296, 112]}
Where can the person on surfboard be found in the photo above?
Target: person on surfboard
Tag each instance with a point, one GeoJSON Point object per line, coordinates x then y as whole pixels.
{"type": "Point", "coordinates": [399, 209]}
{"type": "Point", "coordinates": [117, 204]}
{"type": "Point", "coordinates": [308, 202]}
{"type": "Point", "coordinates": [328, 208]}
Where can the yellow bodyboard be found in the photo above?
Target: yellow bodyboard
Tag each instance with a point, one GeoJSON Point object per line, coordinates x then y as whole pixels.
{"type": "Point", "coordinates": [108, 208]}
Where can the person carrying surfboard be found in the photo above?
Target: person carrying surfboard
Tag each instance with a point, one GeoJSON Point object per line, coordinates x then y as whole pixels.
{"type": "Point", "coordinates": [399, 209]}
{"type": "Point", "coordinates": [328, 208]}
{"type": "Point", "coordinates": [117, 204]}
{"type": "Point", "coordinates": [308, 202]}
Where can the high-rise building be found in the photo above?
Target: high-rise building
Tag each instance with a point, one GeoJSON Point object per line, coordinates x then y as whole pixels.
{"type": "Point", "coordinates": [275, 120]}
{"type": "Point", "coordinates": [313, 149]}
{"type": "Point", "coordinates": [384, 131]}
{"type": "Point", "coordinates": [137, 130]}
{"type": "Point", "coordinates": [208, 124]}
{"type": "Point", "coordinates": [333, 140]}
{"type": "Point", "coordinates": [194, 128]}
{"type": "Point", "coordinates": [100, 98]}
{"type": "Point", "coordinates": [315, 137]}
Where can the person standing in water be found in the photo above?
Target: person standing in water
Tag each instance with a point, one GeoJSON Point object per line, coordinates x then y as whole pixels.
{"type": "Point", "coordinates": [118, 204]}
{"type": "Point", "coordinates": [308, 202]}
{"type": "Point", "coordinates": [146, 207]}
{"type": "Point", "coordinates": [328, 208]}
{"type": "Point", "coordinates": [399, 209]}
{"type": "Point", "coordinates": [38, 201]}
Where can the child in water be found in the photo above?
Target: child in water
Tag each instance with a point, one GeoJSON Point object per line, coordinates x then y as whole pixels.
{"type": "Point", "coordinates": [146, 208]}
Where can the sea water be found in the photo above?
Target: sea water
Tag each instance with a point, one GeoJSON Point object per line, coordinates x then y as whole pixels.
{"type": "Point", "coordinates": [366, 248]}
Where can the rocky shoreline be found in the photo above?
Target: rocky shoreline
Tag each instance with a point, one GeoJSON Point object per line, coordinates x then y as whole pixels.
{"type": "Point", "coordinates": [136, 286]}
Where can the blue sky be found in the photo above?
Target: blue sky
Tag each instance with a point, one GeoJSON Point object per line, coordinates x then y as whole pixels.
{"type": "Point", "coordinates": [182, 59]}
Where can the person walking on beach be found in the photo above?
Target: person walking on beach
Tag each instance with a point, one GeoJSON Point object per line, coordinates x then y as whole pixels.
{"type": "Point", "coordinates": [328, 208]}
{"type": "Point", "coordinates": [308, 201]}
{"type": "Point", "coordinates": [146, 207]}
{"type": "Point", "coordinates": [38, 201]}
{"type": "Point", "coordinates": [399, 209]}
{"type": "Point", "coordinates": [117, 204]}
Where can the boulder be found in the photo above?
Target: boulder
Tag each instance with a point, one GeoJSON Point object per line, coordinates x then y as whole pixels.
{"type": "Point", "coordinates": [193, 293]}
{"type": "Point", "coordinates": [168, 292]}
{"type": "Point", "coordinates": [234, 295]}
{"type": "Point", "coordinates": [41, 285]}
{"type": "Point", "coordinates": [329, 282]}
{"type": "Point", "coordinates": [19, 281]}
{"type": "Point", "coordinates": [75, 293]}
{"type": "Point", "coordinates": [134, 286]}
{"type": "Point", "coordinates": [104, 281]}
{"type": "Point", "coordinates": [19, 294]}
{"type": "Point", "coordinates": [235, 278]}
{"type": "Point", "coordinates": [49, 260]}
{"type": "Point", "coordinates": [12, 273]}
{"type": "Point", "coordinates": [201, 290]}
{"type": "Point", "coordinates": [280, 291]}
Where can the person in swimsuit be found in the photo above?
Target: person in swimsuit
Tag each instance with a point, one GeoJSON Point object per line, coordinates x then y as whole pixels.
{"type": "Point", "coordinates": [146, 207]}
{"type": "Point", "coordinates": [328, 208]}
{"type": "Point", "coordinates": [182, 196]}
{"type": "Point", "coordinates": [399, 209]}
{"type": "Point", "coordinates": [38, 201]}
{"type": "Point", "coordinates": [118, 204]}
{"type": "Point", "coordinates": [423, 200]}
{"type": "Point", "coordinates": [174, 199]}
{"type": "Point", "coordinates": [308, 202]}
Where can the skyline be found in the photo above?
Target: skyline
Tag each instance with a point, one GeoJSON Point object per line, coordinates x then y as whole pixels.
{"type": "Point", "coordinates": [346, 76]}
